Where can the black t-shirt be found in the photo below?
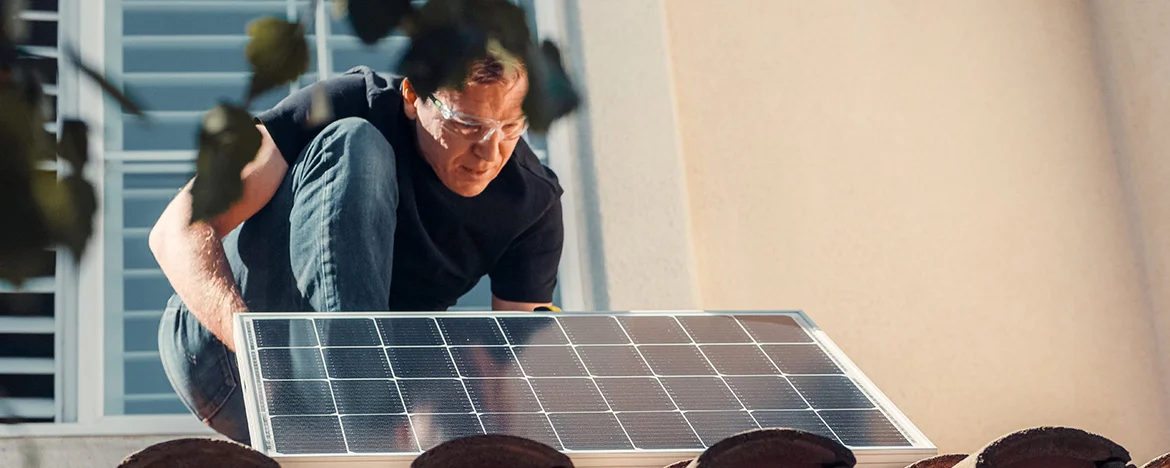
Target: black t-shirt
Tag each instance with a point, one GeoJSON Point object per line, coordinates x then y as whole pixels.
{"type": "Point", "coordinates": [444, 243]}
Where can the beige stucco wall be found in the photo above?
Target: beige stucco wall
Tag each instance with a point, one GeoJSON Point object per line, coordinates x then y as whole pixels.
{"type": "Point", "coordinates": [73, 452]}
{"type": "Point", "coordinates": [639, 244]}
{"type": "Point", "coordinates": [935, 183]}
{"type": "Point", "coordinates": [1134, 54]}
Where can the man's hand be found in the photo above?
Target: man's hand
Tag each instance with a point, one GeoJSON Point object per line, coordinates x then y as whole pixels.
{"type": "Point", "coordinates": [510, 306]}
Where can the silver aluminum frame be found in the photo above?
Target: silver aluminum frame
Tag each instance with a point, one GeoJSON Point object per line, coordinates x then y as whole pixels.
{"type": "Point", "coordinates": [876, 457]}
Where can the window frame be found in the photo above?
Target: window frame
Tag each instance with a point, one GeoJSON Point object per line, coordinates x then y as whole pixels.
{"type": "Point", "coordinates": [83, 326]}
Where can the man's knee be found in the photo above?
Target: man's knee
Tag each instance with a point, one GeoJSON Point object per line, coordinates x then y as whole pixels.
{"type": "Point", "coordinates": [361, 142]}
{"type": "Point", "coordinates": [360, 153]}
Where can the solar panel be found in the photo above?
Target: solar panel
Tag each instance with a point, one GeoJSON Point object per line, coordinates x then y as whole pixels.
{"type": "Point", "coordinates": [646, 387]}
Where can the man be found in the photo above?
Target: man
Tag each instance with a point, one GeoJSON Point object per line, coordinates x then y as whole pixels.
{"type": "Point", "coordinates": [402, 202]}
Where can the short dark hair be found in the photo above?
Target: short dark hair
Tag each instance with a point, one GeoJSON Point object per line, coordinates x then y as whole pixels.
{"type": "Point", "coordinates": [494, 68]}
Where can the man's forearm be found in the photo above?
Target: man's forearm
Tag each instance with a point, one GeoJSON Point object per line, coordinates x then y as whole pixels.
{"type": "Point", "coordinates": [193, 260]}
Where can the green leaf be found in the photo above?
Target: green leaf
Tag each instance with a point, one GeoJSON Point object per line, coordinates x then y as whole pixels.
{"type": "Point", "coordinates": [278, 53]}
{"type": "Point", "coordinates": [228, 141]}
{"type": "Point", "coordinates": [550, 92]}
{"type": "Point", "coordinates": [124, 99]}
{"type": "Point", "coordinates": [372, 20]}
{"type": "Point", "coordinates": [439, 56]}
{"type": "Point", "coordinates": [74, 146]}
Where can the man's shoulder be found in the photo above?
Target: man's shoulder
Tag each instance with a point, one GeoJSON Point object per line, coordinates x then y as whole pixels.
{"type": "Point", "coordinates": [365, 81]}
{"type": "Point", "coordinates": [534, 172]}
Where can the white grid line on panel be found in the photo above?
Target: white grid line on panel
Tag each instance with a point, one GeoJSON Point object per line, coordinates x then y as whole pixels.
{"type": "Point", "coordinates": [325, 366]}
{"type": "Point", "coordinates": [397, 388]}
{"type": "Point", "coordinates": [594, 382]}
{"type": "Point", "coordinates": [463, 384]}
{"type": "Point", "coordinates": [528, 381]}
{"type": "Point", "coordinates": [783, 376]}
{"type": "Point", "coordinates": [658, 379]}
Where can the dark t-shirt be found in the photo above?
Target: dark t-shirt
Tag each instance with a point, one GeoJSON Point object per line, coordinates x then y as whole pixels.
{"type": "Point", "coordinates": [444, 243]}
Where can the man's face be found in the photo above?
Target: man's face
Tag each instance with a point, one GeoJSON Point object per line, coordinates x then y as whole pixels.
{"type": "Point", "coordinates": [467, 136]}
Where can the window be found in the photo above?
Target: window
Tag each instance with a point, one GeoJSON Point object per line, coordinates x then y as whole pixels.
{"type": "Point", "coordinates": [179, 57]}
{"type": "Point", "coordinates": [29, 314]}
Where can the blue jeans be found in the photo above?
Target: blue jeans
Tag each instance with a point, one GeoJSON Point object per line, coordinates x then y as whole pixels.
{"type": "Point", "coordinates": [325, 242]}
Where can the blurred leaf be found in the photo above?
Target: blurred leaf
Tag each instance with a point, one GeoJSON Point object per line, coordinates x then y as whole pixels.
{"type": "Point", "coordinates": [436, 13]}
{"type": "Point", "coordinates": [24, 232]}
{"type": "Point", "coordinates": [439, 56]}
{"type": "Point", "coordinates": [321, 111]}
{"type": "Point", "coordinates": [68, 205]}
{"type": "Point", "coordinates": [74, 146]}
{"type": "Point", "coordinates": [278, 53]}
{"type": "Point", "coordinates": [372, 20]}
{"type": "Point", "coordinates": [228, 141]}
{"type": "Point", "coordinates": [503, 21]}
{"type": "Point", "coordinates": [127, 102]}
{"type": "Point", "coordinates": [13, 26]}
{"type": "Point", "coordinates": [550, 93]}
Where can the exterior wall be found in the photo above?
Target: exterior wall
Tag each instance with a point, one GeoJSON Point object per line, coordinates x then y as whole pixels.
{"type": "Point", "coordinates": [74, 452]}
{"type": "Point", "coordinates": [640, 247]}
{"type": "Point", "coordinates": [1135, 64]}
{"type": "Point", "coordinates": [934, 183]}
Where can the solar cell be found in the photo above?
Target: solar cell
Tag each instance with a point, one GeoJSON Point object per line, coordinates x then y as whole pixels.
{"type": "Point", "coordinates": [400, 383]}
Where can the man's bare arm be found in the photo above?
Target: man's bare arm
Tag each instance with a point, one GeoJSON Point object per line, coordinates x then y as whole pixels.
{"type": "Point", "coordinates": [191, 255]}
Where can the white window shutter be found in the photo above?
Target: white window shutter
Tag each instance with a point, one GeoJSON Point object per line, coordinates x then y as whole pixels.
{"type": "Point", "coordinates": [28, 322]}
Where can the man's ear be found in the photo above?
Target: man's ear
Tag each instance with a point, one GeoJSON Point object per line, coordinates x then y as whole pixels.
{"type": "Point", "coordinates": [409, 99]}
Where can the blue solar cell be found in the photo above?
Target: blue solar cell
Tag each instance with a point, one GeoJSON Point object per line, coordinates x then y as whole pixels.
{"type": "Point", "coordinates": [803, 420]}
{"type": "Point", "coordinates": [613, 360]}
{"type": "Point", "coordinates": [356, 363]}
{"type": "Point", "coordinates": [409, 332]}
{"type": "Point", "coordinates": [532, 426]}
{"type": "Point", "coordinates": [421, 363]}
{"type": "Point", "coordinates": [532, 331]}
{"type": "Point", "coordinates": [706, 329]}
{"type": "Point", "coordinates": [284, 333]}
{"type": "Point", "coordinates": [654, 330]}
{"type": "Point", "coordinates": [434, 396]}
{"type": "Point", "coordinates": [565, 395]}
{"type": "Point", "coordinates": [586, 330]}
{"type": "Point", "coordinates": [471, 331]}
{"type": "Point", "coordinates": [291, 363]}
{"type": "Point", "coordinates": [869, 428]}
{"type": "Point", "coordinates": [774, 329]}
{"type": "Point", "coordinates": [659, 430]}
{"type": "Point", "coordinates": [367, 396]}
{"type": "Point", "coordinates": [714, 426]}
{"type": "Point", "coordinates": [434, 429]}
{"type": "Point", "coordinates": [590, 431]}
{"type": "Point", "coordinates": [830, 392]}
{"type": "Point", "coordinates": [347, 332]}
{"type": "Point", "coordinates": [307, 434]}
{"type": "Point", "coordinates": [549, 361]}
{"type": "Point", "coordinates": [379, 433]}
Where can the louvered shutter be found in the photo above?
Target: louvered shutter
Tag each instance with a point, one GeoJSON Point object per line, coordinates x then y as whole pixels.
{"type": "Point", "coordinates": [28, 314]}
{"type": "Point", "coordinates": [179, 57]}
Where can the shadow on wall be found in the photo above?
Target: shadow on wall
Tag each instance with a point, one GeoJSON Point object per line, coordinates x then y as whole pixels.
{"type": "Point", "coordinates": [1047, 447]}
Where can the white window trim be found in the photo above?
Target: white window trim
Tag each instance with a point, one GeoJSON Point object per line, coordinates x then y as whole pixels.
{"type": "Point", "coordinates": [81, 319]}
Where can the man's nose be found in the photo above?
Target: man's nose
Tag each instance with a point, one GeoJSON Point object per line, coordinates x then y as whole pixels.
{"type": "Point", "coordinates": [488, 148]}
